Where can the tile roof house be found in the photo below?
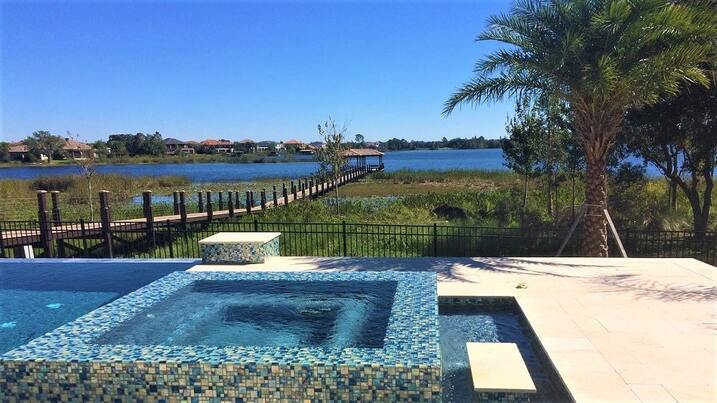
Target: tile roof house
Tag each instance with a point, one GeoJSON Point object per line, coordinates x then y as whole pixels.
{"type": "Point", "coordinates": [20, 152]}
{"type": "Point", "coordinates": [220, 146]}
{"type": "Point", "coordinates": [175, 146]}
{"type": "Point", "coordinates": [75, 149]}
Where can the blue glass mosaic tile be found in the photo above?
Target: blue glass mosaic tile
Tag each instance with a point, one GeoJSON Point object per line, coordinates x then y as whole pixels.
{"type": "Point", "coordinates": [407, 367]}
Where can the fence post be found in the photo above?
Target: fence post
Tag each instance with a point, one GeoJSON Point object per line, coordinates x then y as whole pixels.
{"type": "Point", "coordinates": [200, 202]}
{"type": "Point", "coordinates": [275, 200]}
{"type": "Point", "coordinates": [435, 240]}
{"type": "Point", "coordinates": [311, 188]}
{"type": "Point", "coordinates": [343, 233]}
{"type": "Point", "coordinates": [248, 202]}
{"type": "Point", "coordinates": [210, 208]}
{"type": "Point", "coordinates": [182, 209]}
{"type": "Point", "coordinates": [57, 220]}
{"type": "Point", "coordinates": [263, 199]}
{"type": "Point", "coordinates": [169, 235]}
{"type": "Point", "coordinates": [293, 190]}
{"type": "Point", "coordinates": [221, 200]}
{"type": "Point", "coordinates": [256, 225]}
{"type": "Point", "coordinates": [303, 189]}
{"type": "Point", "coordinates": [230, 205]}
{"type": "Point", "coordinates": [84, 237]}
{"type": "Point", "coordinates": [148, 214]}
{"type": "Point", "coordinates": [45, 228]}
{"type": "Point", "coordinates": [175, 202]}
{"type": "Point", "coordinates": [285, 194]}
{"type": "Point", "coordinates": [106, 220]}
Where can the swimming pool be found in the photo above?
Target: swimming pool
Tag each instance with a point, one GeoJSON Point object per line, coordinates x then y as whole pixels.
{"type": "Point", "coordinates": [39, 295]}
{"type": "Point", "coordinates": [465, 320]}
{"type": "Point", "coordinates": [368, 335]}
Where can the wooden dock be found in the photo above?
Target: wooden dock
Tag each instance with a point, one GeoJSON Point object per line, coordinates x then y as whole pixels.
{"type": "Point", "coordinates": [51, 231]}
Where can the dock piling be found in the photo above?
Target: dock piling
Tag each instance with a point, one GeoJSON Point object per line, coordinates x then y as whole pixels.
{"type": "Point", "coordinates": [210, 209]}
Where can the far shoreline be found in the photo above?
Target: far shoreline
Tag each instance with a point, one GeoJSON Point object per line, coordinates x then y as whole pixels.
{"type": "Point", "coordinates": [220, 160]}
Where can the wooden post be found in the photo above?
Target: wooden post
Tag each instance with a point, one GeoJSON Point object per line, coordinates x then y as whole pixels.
{"type": "Point", "coordinates": [200, 202]}
{"type": "Point", "coordinates": [45, 226]}
{"type": "Point", "coordinates": [57, 220]}
{"type": "Point", "coordinates": [106, 220]}
{"type": "Point", "coordinates": [293, 190]}
{"type": "Point", "coordinates": [285, 194]}
{"type": "Point", "coordinates": [221, 201]}
{"type": "Point", "coordinates": [275, 199]}
{"type": "Point", "coordinates": [55, 196]}
{"type": "Point", "coordinates": [251, 199]}
{"type": "Point", "coordinates": [230, 204]}
{"type": "Point", "coordinates": [263, 199]}
{"type": "Point", "coordinates": [175, 204]}
{"type": "Point", "coordinates": [148, 214]}
{"type": "Point", "coordinates": [248, 202]}
{"type": "Point", "coordinates": [210, 210]}
{"type": "Point", "coordinates": [183, 209]}
{"type": "Point", "coordinates": [311, 188]}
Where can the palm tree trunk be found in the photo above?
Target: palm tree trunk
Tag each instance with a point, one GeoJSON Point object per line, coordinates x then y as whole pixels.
{"type": "Point", "coordinates": [595, 237]}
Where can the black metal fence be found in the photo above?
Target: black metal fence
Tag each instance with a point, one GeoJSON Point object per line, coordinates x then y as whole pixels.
{"type": "Point", "coordinates": [180, 240]}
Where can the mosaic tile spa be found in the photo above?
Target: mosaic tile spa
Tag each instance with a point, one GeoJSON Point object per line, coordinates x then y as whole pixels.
{"type": "Point", "coordinates": [243, 337]}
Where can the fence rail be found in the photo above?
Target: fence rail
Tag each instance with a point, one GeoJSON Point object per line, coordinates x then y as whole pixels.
{"type": "Point", "coordinates": [180, 240]}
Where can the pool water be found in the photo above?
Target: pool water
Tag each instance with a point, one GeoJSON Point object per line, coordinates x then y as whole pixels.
{"type": "Point", "coordinates": [327, 314]}
{"type": "Point", "coordinates": [37, 296]}
{"type": "Point", "coordinates": [460, 324]}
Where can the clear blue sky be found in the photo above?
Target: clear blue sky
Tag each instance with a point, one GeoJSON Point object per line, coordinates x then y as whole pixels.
{"type": "Point", "coordinates": [269, 70]}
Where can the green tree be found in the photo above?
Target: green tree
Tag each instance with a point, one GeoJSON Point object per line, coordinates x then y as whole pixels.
{"type": "Point", "coordinates": [359, 141]}
{"type": "Point", "coordinates": [4, 151]}
{"type": "Point", "coordinates": [331, 157]}
{"type": "Point", "coordinates": [602, 57]}
{"type": "Point", "coordinates": [43, 143]}
{"type": "Point", "coordinates": [679, 137]}
{"type": "Point", "coordinates": [521, 148]}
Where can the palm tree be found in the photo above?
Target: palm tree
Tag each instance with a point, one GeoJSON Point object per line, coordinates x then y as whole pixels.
{"type": "Point", "coordinates": [601, 57]}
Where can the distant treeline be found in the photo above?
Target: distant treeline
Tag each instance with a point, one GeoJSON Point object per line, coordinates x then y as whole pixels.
{"type": "Point", "coordinates": [395, 144]}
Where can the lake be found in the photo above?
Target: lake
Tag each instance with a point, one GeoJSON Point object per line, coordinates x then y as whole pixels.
{"type": "Point", "coordinates": [422, 160]}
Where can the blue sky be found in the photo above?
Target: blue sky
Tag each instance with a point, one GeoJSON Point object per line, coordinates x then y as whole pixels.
{"type": "Point", "coordinates": [269, 70]}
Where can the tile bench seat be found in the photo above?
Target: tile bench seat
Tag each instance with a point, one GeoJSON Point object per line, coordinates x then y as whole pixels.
{"type": "Point", "coordinates": [239, 247]}
{"type": "Point", "coordinates": [499, 373]}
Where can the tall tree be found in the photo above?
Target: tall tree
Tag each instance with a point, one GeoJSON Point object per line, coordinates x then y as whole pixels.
{"type": "Point", "coordinates": [520, 149]}
{"type": "Point", "coordinates": [602, 57]}
{"type": "Point", "coordinates": [88, 167]}
{"type": "Point", "coordinates": [43, 143]}
{"type": "Point", "coordinates": [679, 137]}
{"type": "Point", "coordinates": [331, 157]}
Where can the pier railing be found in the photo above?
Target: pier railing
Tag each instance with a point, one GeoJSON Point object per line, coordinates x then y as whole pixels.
{"type": "Point", "coordinates": [177, 239]}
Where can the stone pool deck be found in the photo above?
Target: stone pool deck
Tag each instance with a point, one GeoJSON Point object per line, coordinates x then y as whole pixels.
{"type": "Point", "coordinates": [620, 330]}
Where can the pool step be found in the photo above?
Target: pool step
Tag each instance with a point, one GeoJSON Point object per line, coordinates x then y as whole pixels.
{"type": "Point", "coordinates": [499, 368]}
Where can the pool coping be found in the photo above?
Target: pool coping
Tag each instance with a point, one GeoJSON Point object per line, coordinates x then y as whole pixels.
{"type": "Point", "coordinates": [412, 337]}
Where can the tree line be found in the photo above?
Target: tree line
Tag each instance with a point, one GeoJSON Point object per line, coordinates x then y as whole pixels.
{"type": "Point", "coordinates": [396, 144]}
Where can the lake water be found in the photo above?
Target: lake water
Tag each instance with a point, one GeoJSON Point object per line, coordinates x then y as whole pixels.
{"type": "Point", "coordinates": [485, 159]}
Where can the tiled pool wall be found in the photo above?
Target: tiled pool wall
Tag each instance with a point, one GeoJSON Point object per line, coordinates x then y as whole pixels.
{"type": "Point", "coordinates": [239, 253]}
{"type": "Point", "coordinates": [65, 364]}
{"type": "Point", "coordinates": [151, 381]}
{"type": "Point", "coordinates": [509, 303]}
